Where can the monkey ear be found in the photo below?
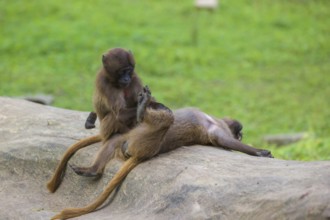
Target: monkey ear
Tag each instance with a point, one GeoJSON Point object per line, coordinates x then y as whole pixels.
{"type": "Point", "coordinates": [131, 58]}
{"type": "Point", "coordinates": [103, 58]}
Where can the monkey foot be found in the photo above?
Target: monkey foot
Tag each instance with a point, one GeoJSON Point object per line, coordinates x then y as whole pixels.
{"type": "Point", "coordinates": [90, 122]}
{"type": "Point", "coordinates": [159, 106]}
{"type": "Point", "coordinates": [144, 99]}
{"type": "Point", "coordinates": [265, 153]}
{"type": "Point", "coordinates": [144, 96]}
{"type": "Point", "coordinates": [85, 171]}
{"type": "Point", "coordinates": [89, 125]}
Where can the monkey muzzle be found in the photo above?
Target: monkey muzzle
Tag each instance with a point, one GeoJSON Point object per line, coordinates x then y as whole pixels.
{"type": "Point", "coordinates": [124, 80]}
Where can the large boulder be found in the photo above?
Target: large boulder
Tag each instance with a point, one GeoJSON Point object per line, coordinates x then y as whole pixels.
{"type": "Point", "coordinates": [196, 182]}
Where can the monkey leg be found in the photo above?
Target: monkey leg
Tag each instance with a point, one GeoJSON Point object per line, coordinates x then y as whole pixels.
{"type": "Point", "coordinates": [144, 99]}
{"type": "Point", "coordinates": [57, 177]}
{"type": "Point", "coordinates": [102, 158]}
{"type": "Point", "coordinates": [218, 138]}
{"type": "Point", "coordinates": [116, 180]}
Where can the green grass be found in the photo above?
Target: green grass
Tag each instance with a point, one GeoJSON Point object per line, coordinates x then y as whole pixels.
{"type": "Point", "coordinates": [266, 63]}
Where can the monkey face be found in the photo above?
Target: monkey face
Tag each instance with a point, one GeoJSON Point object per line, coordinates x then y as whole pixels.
{"type": "Point", "coordinates": [124, 76]}
{"type": "Point", "coordinates": [119, 65]}
{"type": "Point", "coordinates": [235, 128]}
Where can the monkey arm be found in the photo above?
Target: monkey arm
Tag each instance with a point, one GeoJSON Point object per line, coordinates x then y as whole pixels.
{"type": "Point", "coordinates": [218, 138]}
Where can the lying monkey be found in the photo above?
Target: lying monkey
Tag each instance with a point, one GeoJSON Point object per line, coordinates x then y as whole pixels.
{"type": "Point", "coordinates": [160, 130]}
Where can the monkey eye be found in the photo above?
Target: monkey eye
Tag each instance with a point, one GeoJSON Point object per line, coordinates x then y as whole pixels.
{"type": "Point", "coordinates": [126, 70]}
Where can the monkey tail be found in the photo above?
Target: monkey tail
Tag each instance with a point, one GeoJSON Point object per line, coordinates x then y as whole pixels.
{"type": "Point", "coordinates": [55, 181]}
{"type": "Point", "coordinates": [116, 180]}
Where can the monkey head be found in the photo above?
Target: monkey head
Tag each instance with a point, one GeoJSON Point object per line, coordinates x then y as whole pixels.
{"type": "Point", "coordinates": [235, 128]}
{"type": "Point", "coordinates": [119, 67]}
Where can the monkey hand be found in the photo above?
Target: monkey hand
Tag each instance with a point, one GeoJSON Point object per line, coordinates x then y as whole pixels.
{"type": "Point", "coordinates": [144, 99]}
{"type": "Point", "coordinates": [90, 121]}
{"type": "Point", "coordinates": [145, 95]}
{"type": "Point", "coordinates": [265, 153]}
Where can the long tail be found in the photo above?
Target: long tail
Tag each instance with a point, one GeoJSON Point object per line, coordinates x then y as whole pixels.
{"type": "Point", "coordinates": [56, 179]}
{"type": "Point", "coordinates": [116, 180]}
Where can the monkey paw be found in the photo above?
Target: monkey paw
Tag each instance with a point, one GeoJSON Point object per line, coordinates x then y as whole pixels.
{"type": "Point", "coordinates": [85, 171]}
{"type": "Point", "coordinates": [90, 122]}
{"type": "Point", "coordinates": [89, 125]}
{"type": "Point", "coordinates": [264, 153]}
{"type": "Point", "coordinates": [144, 96]}
{"type": "Point", "coordinates": [159, 106]}
{"type": "Point", "coordinates": [144, 100]}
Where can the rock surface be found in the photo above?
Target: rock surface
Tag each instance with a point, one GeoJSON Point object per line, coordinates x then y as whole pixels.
{"type": "Point", "coordinates": [195, 182]}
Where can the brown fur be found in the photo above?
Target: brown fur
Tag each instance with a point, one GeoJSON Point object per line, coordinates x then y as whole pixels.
{"type": "Point", "coordinates": [161, 131]}
{"type": "Point", "coordinates": [115, 105]}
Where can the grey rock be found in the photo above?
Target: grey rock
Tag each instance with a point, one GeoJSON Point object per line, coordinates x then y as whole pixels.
{"type": "Point", "coordinates": [196, 182]}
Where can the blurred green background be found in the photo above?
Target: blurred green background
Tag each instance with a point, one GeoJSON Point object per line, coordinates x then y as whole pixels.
{"type": "Point", "coordinates": [266, 63]}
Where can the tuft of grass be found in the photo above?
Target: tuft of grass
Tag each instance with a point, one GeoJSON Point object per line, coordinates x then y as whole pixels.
{"type": "Point", "coordinates": [264, 63]}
